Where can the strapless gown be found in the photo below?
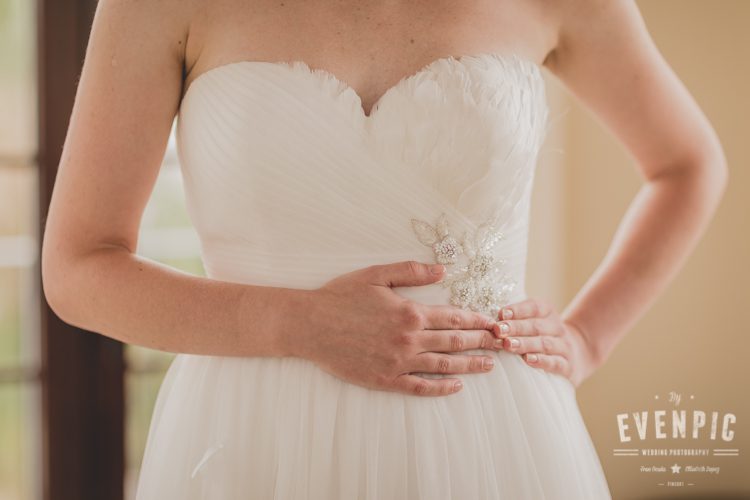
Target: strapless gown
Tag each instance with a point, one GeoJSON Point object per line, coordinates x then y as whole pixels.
{"type": "Point", "coordinates": [289, 183]}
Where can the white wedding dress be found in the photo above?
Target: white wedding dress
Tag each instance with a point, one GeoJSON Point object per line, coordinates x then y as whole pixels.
{"type": "Point", "coordinates": [290, 184]}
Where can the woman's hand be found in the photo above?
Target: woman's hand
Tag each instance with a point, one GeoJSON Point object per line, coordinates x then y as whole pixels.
{"type": "Point", "coordinates": [360, 330]}
{"type": "Point", "coordinates": [544, 340]}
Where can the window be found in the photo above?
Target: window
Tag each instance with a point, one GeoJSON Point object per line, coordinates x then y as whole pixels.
{"type": "Point", "coordinates": [19, 291]}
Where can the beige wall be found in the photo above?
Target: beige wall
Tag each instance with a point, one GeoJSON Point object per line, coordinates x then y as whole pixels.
{"type": "Point", "coordinates": [694, 340]}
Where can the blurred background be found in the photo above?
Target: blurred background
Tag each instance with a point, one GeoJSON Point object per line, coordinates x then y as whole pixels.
{"type": "Point", "coordinates": [75, 406]}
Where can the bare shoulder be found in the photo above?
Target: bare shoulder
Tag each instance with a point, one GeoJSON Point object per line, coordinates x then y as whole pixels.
{"type": "Point", "coordinates": [606, 57]}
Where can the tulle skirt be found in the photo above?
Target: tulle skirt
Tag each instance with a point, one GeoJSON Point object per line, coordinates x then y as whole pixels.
{"type": "Point", "coordinates": [282, 428]}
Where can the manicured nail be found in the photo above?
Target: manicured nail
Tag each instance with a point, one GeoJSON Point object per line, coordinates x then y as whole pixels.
{"type": "Point", "coordinates": [504, 329]}
{"type": "Point", "coordinates": [514, 343]}
{"type": "Point", "coordinates": [532, 358]}
{"type": "Point", "coordinates": [507, 313]}
{"type": "Point", "coordinates": [488, 363]}
{"type": "Point", "coordinates": [499, 343]}
{"type": "Point", "coordinates": [458, 385]}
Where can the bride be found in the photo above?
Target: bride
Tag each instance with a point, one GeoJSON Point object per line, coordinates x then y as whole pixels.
{"type": "Point", "coordinates": [359, 175]}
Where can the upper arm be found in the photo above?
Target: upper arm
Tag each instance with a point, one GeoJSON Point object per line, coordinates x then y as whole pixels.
{"type": "Point", "coordinates": [607, 59]}
{"type": "Point", "coordinates": [126, 100]}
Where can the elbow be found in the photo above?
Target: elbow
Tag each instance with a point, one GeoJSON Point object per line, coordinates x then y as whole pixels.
{"type": "Point", "coordinates": [715, 176]}
{"type": "Point", "coordinates": [710, 182]}
{"type": "Point", "coordinates": [713, 168]}
{"type": "Point", "coordinates": [703, 177]}
{"type": "Point", "coordinates": [51, 285]}
{"type": "Point", "coordinates": [723, 176]}
{"type": "Point", "coordinates": [71, 278]}
{"type": "Point", "coordinates": [57, 282]}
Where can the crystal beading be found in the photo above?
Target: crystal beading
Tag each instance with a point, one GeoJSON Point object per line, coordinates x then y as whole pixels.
{"type": "Point", "coordinates": [480, 282]}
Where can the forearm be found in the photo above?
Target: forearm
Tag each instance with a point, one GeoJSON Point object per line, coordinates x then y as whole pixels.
{"type": "Point", "coordinates": [138, 301]}
{"type": "Point", "coordinates": [658, 232]}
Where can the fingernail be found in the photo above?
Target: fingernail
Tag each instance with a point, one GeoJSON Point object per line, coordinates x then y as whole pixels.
{"type": "Point", "coordinates": [458, 385]}
{"type": "Point", "coordinates": [499, 343]}
{"type": "Point", "coordinates": [488, 363]}
{"type": "Point", "coordinates": [514, 343]}
{"type": "Point", "coordinates": [504, 329]}
{"type": "Point", "coordinates": [437, 268]}
{"type": "Point", "coordinates": [532, 358]}
{"type": "Point", "coordinates": [507, 313]}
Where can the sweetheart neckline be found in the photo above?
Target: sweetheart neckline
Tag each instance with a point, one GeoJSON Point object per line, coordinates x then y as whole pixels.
{"type": "Point", "coordinates": [293, 65]}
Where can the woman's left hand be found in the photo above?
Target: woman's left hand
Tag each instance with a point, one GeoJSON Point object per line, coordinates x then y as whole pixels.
{"type": "Point", "coordinates": [544, 340]}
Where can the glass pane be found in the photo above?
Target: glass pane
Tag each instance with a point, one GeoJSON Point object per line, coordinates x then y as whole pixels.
{"type": "Point", "coordinates": [167, 236]}
{"type": "Point", "coordinates": [19, 306]}
{"type": "Point", "coordinates": [19, 434]}
{"type": "Point", "coordinates": [18, 137]}
{"type": "Point", "coordinates": [20, 468]}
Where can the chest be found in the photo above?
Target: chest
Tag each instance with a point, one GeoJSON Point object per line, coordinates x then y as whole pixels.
{"type": "Point", "coordinates": [369, 45]}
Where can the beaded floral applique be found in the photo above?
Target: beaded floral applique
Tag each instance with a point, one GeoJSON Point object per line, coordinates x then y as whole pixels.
{"type": "Point", "coordinates": [479, 283]}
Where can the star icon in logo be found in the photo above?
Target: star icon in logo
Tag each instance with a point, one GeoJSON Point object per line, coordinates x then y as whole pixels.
{"type": "Point", "coordinates": [675, 469]}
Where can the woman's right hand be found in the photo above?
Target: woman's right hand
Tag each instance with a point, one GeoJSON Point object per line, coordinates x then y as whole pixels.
{"type": "Point", "coordinates": [363, 332]}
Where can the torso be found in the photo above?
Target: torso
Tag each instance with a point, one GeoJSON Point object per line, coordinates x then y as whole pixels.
{"type": "Point", "coordinates": [368, 44]}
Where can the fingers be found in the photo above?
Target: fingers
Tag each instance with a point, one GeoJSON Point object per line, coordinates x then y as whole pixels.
{"type": "Point", "coordinates": [527, 308]}
{"type": "Point", "coordinates": [432, 362]}
{"type": "Point", "coordinates": [544, 344]}
{"type": "Point", "coordinates": [457, 340]}
{"type": "Point", "coordinates": [549, 362]}
{"type": "Point", "coordinates": [446, 317]}
{"type": "Point", "coordinates": [527, 327]}
{"type": "Point", "coordinates": [420, 386]}
{"type": "Point", "coordinates": [532, 329]}
{"type": "Point", "coordinates": [405, 273]}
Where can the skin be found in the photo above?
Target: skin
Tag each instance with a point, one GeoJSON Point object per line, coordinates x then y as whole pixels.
{"type": "Point", "coordinates": [143, 55]}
